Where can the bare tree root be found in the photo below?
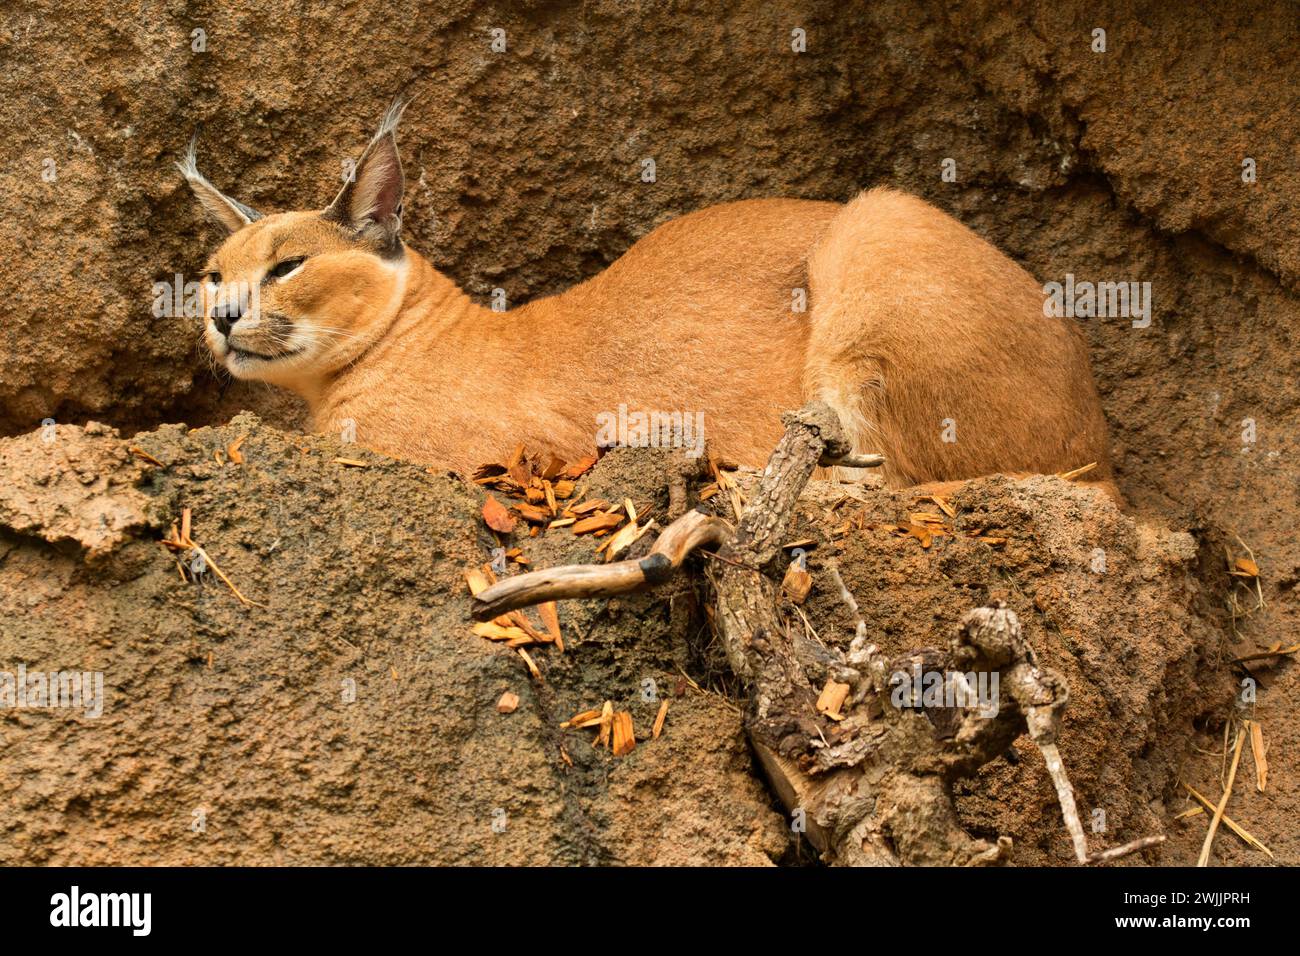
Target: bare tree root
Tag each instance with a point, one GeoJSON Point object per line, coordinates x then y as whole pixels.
{"type": "Point", "coordinates": [873, 787]}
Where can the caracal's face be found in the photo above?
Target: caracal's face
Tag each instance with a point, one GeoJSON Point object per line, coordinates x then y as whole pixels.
{"type": "Point", "coordinates": [290, 298]}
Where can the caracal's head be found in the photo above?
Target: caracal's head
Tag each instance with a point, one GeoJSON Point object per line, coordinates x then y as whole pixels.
{"type": "Point", "coordinates": [290, 298]}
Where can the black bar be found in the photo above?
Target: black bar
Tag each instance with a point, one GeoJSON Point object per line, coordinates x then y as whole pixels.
{"type": "Point", "coordinates": [516, 910]}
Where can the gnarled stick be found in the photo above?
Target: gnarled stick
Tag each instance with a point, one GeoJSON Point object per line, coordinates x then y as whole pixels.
{"type": "Point", "coordinates": [853, 461]}
{"type": "Point", "coordinates": [693, 530]}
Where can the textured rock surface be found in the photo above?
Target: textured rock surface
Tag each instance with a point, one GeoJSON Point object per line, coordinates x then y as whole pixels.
{"type": "Point", "coordinates": [78, 486]}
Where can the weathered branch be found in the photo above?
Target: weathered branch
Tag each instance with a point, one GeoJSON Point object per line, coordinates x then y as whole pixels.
{"type": "Point", "coordinates": [693, 530]}
{"type": "Point", "coordinates": [853, 461]}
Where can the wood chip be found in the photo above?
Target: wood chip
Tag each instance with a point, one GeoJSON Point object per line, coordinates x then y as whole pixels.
{"type": "Point", "coordinates": [352, 462]}
{"type": "Point", "coordinates": [580, 467]}
{"type": "Point", "coordinates": [606, 724]}
{"type": "Point", "coordinates": [920, 533]}
{"type": "Point", "coordinates": [594, 504]}
{"type": "Point", "coordinates": [553, 468]}
{"type": "Point", "coordinates": [533, 514]}
{"type": "Point", "coordinates": [520, 620]}
{"type": "Point", "coordinates": [659, 719]}
{"type": "Point", "coordinates": [498, 516]}
{"type": "Point", "coordinates": [551, 621]}
{"type": "Point", "coordinates": [141, 453]}
{"type": "Point", "coordinates": [832, 699]}
{"type": "Point", "coordinates": [1244, 568]}
{"type": "Point", "coordinates": [586, 718]}
{"type": "Point", "coordinates": [624, 739]}
{"type": "Point", "coordinates": [495, 632]}
{"type": "Point", "coordinates": [597, 522]}
{"type": "Point", "coordinates": [1259, 751]}
{"type": "Point", "coordinates": [232, 450]}
{"type": "Point", "coordinates": [621, 540]}
{"type": "Point", "coordinates": [508, 703]}
{"type": "Point", "coordinates": [943, 504]}
{"type": "Point", "coordinates": [476, 580]}
{"type": "Point", "coordinates": [798, 582]}
{"type": "Point", "coordinates": [532, 668]}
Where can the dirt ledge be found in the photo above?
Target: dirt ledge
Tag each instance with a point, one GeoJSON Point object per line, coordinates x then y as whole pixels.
{"type": "Point", "coordinates": [236, 716]}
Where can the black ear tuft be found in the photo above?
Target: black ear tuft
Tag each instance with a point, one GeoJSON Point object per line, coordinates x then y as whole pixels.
{"type": "Point", "coordinates": [231, 213]}
{"type": "Point", "coordinates": [370, 203]}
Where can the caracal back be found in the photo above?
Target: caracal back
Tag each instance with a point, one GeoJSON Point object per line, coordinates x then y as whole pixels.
{"type": "Point", "coordinates": [934, 349]}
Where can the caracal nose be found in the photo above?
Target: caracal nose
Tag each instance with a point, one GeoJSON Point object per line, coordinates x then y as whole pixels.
{"type": "Point", "coordinates": [226, 314]}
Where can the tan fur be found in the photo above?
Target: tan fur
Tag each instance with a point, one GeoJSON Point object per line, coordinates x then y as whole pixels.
{"type": "Point", "coordinates": [912, 320]}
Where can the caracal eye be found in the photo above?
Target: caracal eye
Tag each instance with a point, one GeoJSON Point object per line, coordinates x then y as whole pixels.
{"type": "Point", "coordinates": [212, 277]}
{"type": "Point", "coordinates": [285, 267]}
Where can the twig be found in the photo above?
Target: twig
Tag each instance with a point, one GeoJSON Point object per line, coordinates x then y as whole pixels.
{"type": "Point", "coordinates": [247, 602]}
{"type": "Point", "coordinates": [717, 557]}
{"type": "Point", "coordinates": [1266, 655]}
{"type": "Point", "coordinates": [1204, 859]}
{"type": "Point", "coordinates": [181, 540]}
{"type": "Point", "coordinates": [1115, 852]}
{"type": "Point", "coordinates": [852, 461]}
{"type": "Point", "coordinates": [1228, 821]}
{"type": "Point", "coordinates": [859, 625]}
{"type": "Point", "coordinates": [1077, 472]}
{"type": "Point", "coordinates": [1065, 795]}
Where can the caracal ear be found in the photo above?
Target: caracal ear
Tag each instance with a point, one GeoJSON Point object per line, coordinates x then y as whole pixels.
{"type": "Point", "coordinates": [229, 212]}
{"type": "Point", "coordinates": [370, 203]}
